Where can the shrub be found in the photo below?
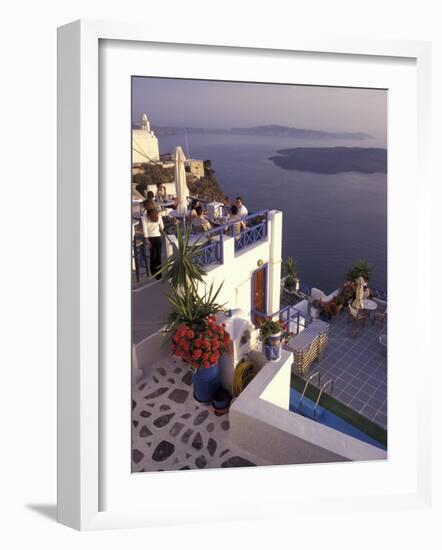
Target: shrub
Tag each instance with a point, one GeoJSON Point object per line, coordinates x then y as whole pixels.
{"type": "Point", "coordinates": [361, 269]}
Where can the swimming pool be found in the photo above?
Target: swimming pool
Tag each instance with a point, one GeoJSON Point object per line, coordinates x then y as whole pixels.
{"type": "Point", "coordinates": [328, 419]}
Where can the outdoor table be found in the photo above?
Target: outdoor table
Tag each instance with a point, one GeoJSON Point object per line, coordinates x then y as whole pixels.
{"type": "Point", "coordinates": [370, 306]}
{"type": "Point", "coordinates": [165, 211]}
{"type": "Point", "coordinates": [165, 204]}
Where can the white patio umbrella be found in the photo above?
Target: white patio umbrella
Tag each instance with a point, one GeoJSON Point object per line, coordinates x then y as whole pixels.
{"type": "Point", "coordinates": [359, 301]}
{"type": "Point", "coordinates": [180, 181]}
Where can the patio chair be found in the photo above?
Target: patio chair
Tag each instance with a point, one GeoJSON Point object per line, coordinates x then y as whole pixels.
{"type": "Point", "coordinates": [357, 315]}
{"type": "Point", "coordinates": [380, 316]}
{"type": "Point", "coordinates": [357, 318]}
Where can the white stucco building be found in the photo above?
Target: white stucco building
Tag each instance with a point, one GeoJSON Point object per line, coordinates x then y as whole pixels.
{"type": "Point", "coordinates": [144, 143]}
{"type": "Point", "coordinates": [248, 266]}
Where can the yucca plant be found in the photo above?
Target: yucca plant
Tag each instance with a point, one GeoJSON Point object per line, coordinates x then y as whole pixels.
{"type": "Point", "coordinates": [181, 270]}
{"type": "Point", "coordinates": [291, 271]}
{"type": "Point", "coordinates": [192, 310]}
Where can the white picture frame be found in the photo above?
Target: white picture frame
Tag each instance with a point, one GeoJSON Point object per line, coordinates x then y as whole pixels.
{"type": "Point", "coordinates": [80, 296]}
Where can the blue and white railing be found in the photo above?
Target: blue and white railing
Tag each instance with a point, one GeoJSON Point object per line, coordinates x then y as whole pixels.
{"type": "Point", "coordinates": [293, 319]}
{"type": "Point", "coordinates": [211, 248]}
{"type": "Point", "coordinates": [290, 316]}
{"type": "Point", "coordinates": [256, 230]}
{"type": "Point", "coordinates": [211, 241]}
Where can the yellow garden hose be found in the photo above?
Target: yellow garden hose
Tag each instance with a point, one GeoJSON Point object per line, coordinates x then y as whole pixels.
{"type": "Point", "coordinates": [244, 373]}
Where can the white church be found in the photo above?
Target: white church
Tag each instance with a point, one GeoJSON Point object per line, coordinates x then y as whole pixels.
{"type": "Point", "coordinates": [144, 143]}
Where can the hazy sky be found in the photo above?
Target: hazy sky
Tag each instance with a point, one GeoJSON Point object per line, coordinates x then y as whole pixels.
{"type": "Point", "coordinates": [215, 104]}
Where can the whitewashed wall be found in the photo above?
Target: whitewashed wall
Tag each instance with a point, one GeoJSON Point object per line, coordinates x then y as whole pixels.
{"type": "Point", "coordinates": [261, 423]}
{"type": "Point", "coordinates": [237, 270]}
{"type": "Point", "coordinates": [145, 142]}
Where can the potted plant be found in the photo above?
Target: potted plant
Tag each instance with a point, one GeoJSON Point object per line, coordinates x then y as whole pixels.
{"type": "Point", "coordinates": [361, 269]}
{"type": "Point", "coordinates": [291, 282]}
{"type": "Point", "coordinates": [191, 323]}
{"type": "Point", "coordinates": [272, 334]}
{"type": "Point", "coordinates": [198, 339]}
{"type": "Point", "coordinates": [181, 270]}
{"type": "Point", "coordinates": [221, 402]}
{"type": "Point", "coordinates": [330, 309]}
{"type": "Point", "coordinates": [346, 293]}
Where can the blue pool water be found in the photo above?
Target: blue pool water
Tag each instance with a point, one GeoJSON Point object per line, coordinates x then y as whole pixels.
{"type": "Point", "coordinates": [329, 419]}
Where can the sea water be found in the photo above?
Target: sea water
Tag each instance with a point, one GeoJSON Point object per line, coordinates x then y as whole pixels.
{"type": "Point", "coordinates": [329, 221]}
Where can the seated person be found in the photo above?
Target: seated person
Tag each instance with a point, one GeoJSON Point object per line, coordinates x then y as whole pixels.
{"type": "Point", "coordinates": [161, 193]}
{"type": "Point", "coordinates": [234, 216]}
{"type": "Point", "coordinates": [200, 223]}
{"type": "Point", "coordinates": [192, 209]}
{"type": "Point", "coordinates": [150, 196]}
{"type": "Point", "coordinates": [242, 210]}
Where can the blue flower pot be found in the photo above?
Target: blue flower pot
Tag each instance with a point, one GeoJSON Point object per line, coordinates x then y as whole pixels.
{"type": "Point", "coordinates": [221, 402]}
{"type": "Point", "coordinates": [272, 352]}
{"type": "Point", "coordinates": [272, 347]}
{"type": "Point", "coordinates": [206, 383]}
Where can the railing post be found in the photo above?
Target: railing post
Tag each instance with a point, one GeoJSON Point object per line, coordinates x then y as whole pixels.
{"type": "Point", "coordinates": [221, 247]}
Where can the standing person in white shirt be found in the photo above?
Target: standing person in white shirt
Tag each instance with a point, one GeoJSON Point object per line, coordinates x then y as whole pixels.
{"type": "Point", "coordinates": [152, 227]}
{"type": "Point", "coordinates": [242, 210]}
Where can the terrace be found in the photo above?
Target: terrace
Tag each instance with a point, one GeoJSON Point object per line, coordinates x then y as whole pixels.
{"type": "Point", "coordinates": [358, 368]}
{"type": "Point", "coordinates": [212, 242]}
{"type": "Point", "coordinates": [356, 362]}
{"type": "Point", "coordinates": [171, 431]}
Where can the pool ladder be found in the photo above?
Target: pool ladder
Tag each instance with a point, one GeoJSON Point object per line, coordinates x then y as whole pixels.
{"type": "Point", "coordinates": [309, 379]}
{"type": "Point", "coordinates": [331, 381]}
{"type": "Point", "coordinates": [321, 390]}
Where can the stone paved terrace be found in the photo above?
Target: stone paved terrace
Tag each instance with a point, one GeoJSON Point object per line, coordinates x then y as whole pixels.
{"type": "Point", "coordinates": [171, 431]}
{"type": "Point", "coordinates": [149, 308]}
{"type": "Point", "coordinates": [358, 367]}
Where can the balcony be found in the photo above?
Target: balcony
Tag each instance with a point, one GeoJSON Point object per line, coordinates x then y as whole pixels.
{"type": "Point", "coordinates": [212, 242]}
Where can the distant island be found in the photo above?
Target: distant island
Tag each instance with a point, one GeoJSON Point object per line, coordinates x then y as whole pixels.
{"type": "Point", "coordinates": [276, 130]}
{"type": "Point", "coordinates": [332, 160]}
{"type": "Point", "coordinates": [272, 130]}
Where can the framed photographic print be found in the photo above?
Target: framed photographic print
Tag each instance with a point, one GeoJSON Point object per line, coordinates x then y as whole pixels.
{"type": "Point", "coordinates": [235, 241]}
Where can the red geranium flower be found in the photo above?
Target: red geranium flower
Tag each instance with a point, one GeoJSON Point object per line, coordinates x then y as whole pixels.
{"type": "Point", "coordinates": [206, 344]}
